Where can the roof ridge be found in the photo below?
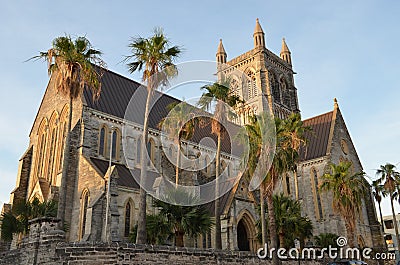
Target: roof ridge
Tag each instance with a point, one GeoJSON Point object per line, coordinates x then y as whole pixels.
{"type": "Point", "coordinates": [326, 113]}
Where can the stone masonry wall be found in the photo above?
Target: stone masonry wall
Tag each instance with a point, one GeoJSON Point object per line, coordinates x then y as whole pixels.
{"type": "Point", "coordinates": [45, 244]}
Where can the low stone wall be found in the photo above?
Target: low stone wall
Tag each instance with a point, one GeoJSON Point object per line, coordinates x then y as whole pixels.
{"type": "Point", "coordinates": [46, 245]}
{"type": "Point", "coordinates": [130, 254]}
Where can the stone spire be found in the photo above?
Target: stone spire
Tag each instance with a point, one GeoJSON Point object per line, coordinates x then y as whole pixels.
{"type": "Point", "coordinates": [258, 36]}
{"type": "Point", "coordinates": [221, 54]}
{"type": "Point", "coordinates": [285, 53]}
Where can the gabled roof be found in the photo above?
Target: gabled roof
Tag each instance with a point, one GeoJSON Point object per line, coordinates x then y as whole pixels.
{"type": "Point", "coordinates": [125, 177]}
{"type": "Point", "coordinates": [117, 91]}
{"type": "Point", "coordinates": [318, 137]}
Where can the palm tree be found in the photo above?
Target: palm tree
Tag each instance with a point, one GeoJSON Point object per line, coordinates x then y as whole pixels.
{"type": "Point", "coordinates": [324, 240]}
{"type": "Point", "coordinates": [155, 57]}
{"type": "Point", "coordinates": [17, 220]}
{"type": "Point", "coordinates": [184, 220]}
{"type": "Point", "coordinates": [348, 190]}
{"type": "Point", "coordinates": [179, 128]}
{"type": "Point", "coordinates": [390, 179]}
{"type": "Point", "coordinates": [71, 63]}
{"type": "Point", "coordinates": [289, 222]}
{"type": "Point", "coordinates": [289, 138]}
{"type": "Point", "coordinates": [378, 191]}
{"type": "Point", "coordinates": [251, 136]}
{"type": "Point", "coordinates": [218, 94]}
{"type": "Point", "coordinates": [157, 227]}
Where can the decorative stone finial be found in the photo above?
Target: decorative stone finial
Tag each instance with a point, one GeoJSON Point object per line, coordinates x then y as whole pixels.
{"type": "Point", "coordinates": [335, 103]}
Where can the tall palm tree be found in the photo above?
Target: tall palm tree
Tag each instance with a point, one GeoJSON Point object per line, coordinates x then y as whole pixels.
{"type": "Point", "coordinates": [154, 57]}
{"type": "Point", "coordinates": [289, 138]}
{"type": "Point", "coordinates": [348, 190]}
{"type": "Point", "coordinates": [251, 136]}
{"type": "Point", "coordinates": [184, 220]}
{"type": "Point", "coordinates": [220, 95]}
{"type": "Point", "coordinates": [71, 63]}
{"type": "Point", "coordinates": [378, 191]}
{"type": "Point", "coordinates": [179, 127]}
{"type": "Point", "coordinates": [390, 179]}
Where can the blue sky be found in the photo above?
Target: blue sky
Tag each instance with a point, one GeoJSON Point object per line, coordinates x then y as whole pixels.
{"type": "Point", "coordinates": [342, 49]}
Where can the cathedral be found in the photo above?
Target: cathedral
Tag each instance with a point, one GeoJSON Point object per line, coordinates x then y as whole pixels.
{"type": "Point", "coordinates": [97, 128]}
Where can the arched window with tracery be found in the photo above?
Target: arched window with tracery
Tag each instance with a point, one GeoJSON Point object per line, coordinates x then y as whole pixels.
{"type": "Point", "coordinates": [128, 209]}
{"type": "Point", "coordinates": [285, 92]}
{"type": "Point", "coordinates": [84, 207]}
{"type": "Point", "coordinates": [274, 87]}
{"type": "Point", "coordinates": [251, 85]}
{"type": "Point", "coordinates": [235, 88]}
{"type": "Point", "coordinates": [151, 150]}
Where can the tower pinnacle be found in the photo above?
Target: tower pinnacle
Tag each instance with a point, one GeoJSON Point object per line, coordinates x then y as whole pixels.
{"type": "Point", "coordinates": [221, 53]}
{"type": "Point", "coordinates": [285, 53]}
{"type": "Point", "coordinates": [258, 36]}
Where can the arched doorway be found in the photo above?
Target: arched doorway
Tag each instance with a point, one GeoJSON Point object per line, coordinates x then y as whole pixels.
{"type": "Point", "coordinates": [242, 237]}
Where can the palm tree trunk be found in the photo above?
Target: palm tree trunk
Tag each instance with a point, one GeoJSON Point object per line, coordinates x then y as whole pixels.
{"type": "Point", "coordinates": [281, 239]}
{"type": "Point", "coordinates": [396, 229]}
{"type": "Point", "coordinates": [380, 214]}
{"type": "Point", "coordinates": [141, 237]}
{"type": "Point", "coordinates": [179, 238]}
{"type": "Point", "coordinates": [64, 175]}
{"type": "Point", "coordinates": [218, 239]}
{"type": "Point", "coordinates": [262, 216]}
{"type": "Point", "coordinates": [178, 161]}
{"type": "Point", "coordinates": [272, 228]}
{"type": "Point", "coordinates": [350, 233]}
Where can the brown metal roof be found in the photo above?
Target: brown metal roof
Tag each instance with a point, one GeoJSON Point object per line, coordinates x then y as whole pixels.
{"type": "Point", "coordinates": [317, 138]}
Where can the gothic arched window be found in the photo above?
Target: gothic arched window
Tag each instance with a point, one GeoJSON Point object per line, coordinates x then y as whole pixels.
{"type": "Point", "coordinates": [63, 133]}
{"type": "Point", "coordinates": [102, 141]}
{"type": "Point", "coordinates": [317, 197]}
{"type": "Point", "coordinates": [274, 88]}
{"type": "Point", "coordinates": [115, 144]}
{"type": "Point", "coordinates": [127, 219]}
{"type": "Point", "coordinates": [41, 150]}
{"type": "Point", "coordinates": [251, 84]}
{"type": "Point", "coordinates": [52, 153]}
{"type": "Point", "coordinates": [151, 152]}
{"type": "Point", "coordinates": [285, 92]}
{"type": "Point", "coordinates": [84, 206]}
{"type": "Point", "coordinates": [235, 87]}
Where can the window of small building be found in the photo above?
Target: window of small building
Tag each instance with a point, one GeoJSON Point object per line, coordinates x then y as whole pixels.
{"type": "Point", "coordinates": [127, 219]}
{"type": "Point", "coordinates": [84, 206]}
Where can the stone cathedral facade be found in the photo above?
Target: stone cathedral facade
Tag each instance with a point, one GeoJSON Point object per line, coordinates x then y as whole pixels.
{"type": "Point", "coordinates": [97, 127]}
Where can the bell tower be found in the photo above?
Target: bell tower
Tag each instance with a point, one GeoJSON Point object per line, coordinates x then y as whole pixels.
{"type": "Point", "coordinates": [261, 78]}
